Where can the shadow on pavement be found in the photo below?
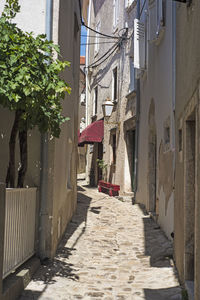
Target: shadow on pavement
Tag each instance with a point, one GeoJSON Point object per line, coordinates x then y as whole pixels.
{"type": "Point", "coordinates": [80, 216]}
{"type": "Point", "coordinates": [80, 189]}
{"type": "Point", "coordinates": [157, 245]}
{"type": "Point", "coordinates": [163, 294]}
{"type": "Point", "coordinates": [56, 267]}
{"type": "Point", "coordinates": [160, 250]}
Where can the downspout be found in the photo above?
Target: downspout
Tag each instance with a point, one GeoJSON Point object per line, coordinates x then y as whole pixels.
{"type": "Point", "coordinates": [44, 156]}
{"type": "Point", "coordinates": [173, 66]}
{"type": "Point", "coordinates": [87, 92]}
{"type": "Point", "coordinates": [137, 120]}
{"type": "Point", "coordinates": [173, 93]}
{"type": "Point", "coordinates": [87, 63]}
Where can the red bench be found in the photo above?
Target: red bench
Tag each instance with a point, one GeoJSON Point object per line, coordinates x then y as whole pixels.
{"type": "Point", "coordinates": [107, 187]}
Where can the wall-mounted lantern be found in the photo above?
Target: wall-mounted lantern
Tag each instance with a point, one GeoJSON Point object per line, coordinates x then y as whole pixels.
{"type": "Point", "coordinates": [107, 107]}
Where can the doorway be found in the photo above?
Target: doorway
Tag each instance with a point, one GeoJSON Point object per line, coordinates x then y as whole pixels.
{"type": "Point", "coordinates": [189, 201]}
{"type": "Point", "coordinates": [152, 158]}
{"type": "Point", "coordinates": [152, 172]}
{"type": "Point", "coordinates": [131, 156]}
{"type": "Point", "coordinates": [100, 157]}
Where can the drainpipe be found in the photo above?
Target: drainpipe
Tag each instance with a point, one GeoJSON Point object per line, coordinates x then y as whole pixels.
{"type": "Point", "coordinates": [137, 120]}
{"type": "Point", "coordinates": [173, 68]}
{"type": "Point", "coordinates": [44, 157]}
{"type": "Point", "coordinates": [87, 91]}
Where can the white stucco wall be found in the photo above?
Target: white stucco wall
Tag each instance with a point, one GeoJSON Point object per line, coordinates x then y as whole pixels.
{"type": "Point", "coordinates": [60, 177]}
{"type": "Point", "coordinates": [32, 15]}
{"type": "Point", "coordinates": [156, 83]}
{"type": "Point", "coordinates": [101, 76]}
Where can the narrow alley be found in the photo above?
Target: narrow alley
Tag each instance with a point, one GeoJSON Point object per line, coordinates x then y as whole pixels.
{"type": "Point", "coordinates": [111, 250]}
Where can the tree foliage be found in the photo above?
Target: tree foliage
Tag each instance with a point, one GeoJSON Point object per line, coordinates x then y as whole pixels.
{"type": "Point", "coordinates": [30, 82]}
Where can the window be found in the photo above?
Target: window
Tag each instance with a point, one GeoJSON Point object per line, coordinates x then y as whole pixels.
{"type": "Point", "coordinates": [96, 46]}
{"type": "Point", "coordinates": [114, 98]}
{"type": "Point", "coordinates": [160, 15]}
{"type": "Point", "coordinates": [167, 135]}
{"type": "Point", "coordinates": [156, 19]}
{"type": "Point", "coordinates": [114, 148]}
{"type": "Point", "coordinates": [132, 76]}
{"type": "Point", "coordinates": [95, 99]}
{"type": "Point", "coordinates": [128, 3]}
{"type": "Point", "coordinates": [180, 140]}
{"type": "Point", "coordinates": [115, 13]}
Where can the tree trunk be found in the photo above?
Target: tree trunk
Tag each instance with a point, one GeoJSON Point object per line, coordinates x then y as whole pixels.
{"type": "Point", "coordinates": [10, 177]}
{"type": "Point", "coordinates": [23, 158]}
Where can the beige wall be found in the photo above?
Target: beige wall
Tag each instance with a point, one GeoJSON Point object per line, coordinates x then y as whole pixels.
{"type": "Point", "coordinates": [82, 124]}
{"type": "Point", "coordinates": [187, 102]}
{"type": "Point", "coordinates": [66, 29]}
{"type": "Point", "coordinates": [58, 203]}
{"type": "Point", "coordinates": [101, 76]}
{"type": "Point", "coordinates": [156, 113]}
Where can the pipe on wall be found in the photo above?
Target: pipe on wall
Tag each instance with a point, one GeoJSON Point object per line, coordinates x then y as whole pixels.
{"type": "Point", "coordinates": [44, 157]}
{"type": "Point", "coordinates": [137, 119]}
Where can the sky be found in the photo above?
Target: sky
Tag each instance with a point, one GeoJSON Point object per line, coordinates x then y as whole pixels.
{"type": "Point", "coordinates": [83, 40]}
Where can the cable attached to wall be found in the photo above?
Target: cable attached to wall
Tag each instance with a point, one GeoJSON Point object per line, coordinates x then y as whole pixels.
{"type": "Point", "coordinates": [83, 23]}
{"type": "Point", "coordinates": [112, 49]}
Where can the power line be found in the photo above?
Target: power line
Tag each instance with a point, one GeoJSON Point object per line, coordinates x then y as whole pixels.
{"type": "Point", "coordinates": [94, 66]}
{"type": "Point", "coordinates": [103, 34]}
{"type": "Point", "coordinates": [143, 7]}
{"type": "Point", "coordinates": [104, 55]}
{"type": "Point", "coordinates": [94, 36]}
{"type": "Point", "coordinates": [84, 44]}
{"type": "Point", "coordinates": [112, 49]}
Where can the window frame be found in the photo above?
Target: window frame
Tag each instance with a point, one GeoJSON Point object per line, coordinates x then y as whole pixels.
{"type": "Point", "coordinates": [96, 45]}
{"type": "Point", "coordinates": [115, 13]}
{"type": "Point", "coordinates": [95, 101]}
{"type": "Point", "coordinates": [128, 3]}
{"type": "Point", "coordinates": [115, 84]}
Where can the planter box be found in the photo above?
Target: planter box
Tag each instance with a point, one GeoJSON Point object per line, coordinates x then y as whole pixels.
{"type": "Point", "coordinates": [19, 237]}
{"type": "Point", "coordinates": [107, 187]}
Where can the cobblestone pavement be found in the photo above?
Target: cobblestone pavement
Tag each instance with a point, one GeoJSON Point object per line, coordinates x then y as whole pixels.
{"type": "Point", "coordinates": [111, 251]}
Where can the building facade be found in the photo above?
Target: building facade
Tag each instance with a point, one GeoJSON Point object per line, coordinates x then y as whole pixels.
{"type": "Point", "coordinates": [110, 75]}
{"type": "Point", "coordinates": [82, 114]}
{"type": "Point", "coordinates": [138, 77]}
{"type": "Point", "coordinates": [156, 104]}
{"type": "Point", "coordinates": [187, 199]}
{"type": "Point", "coordinates": [52, 163]}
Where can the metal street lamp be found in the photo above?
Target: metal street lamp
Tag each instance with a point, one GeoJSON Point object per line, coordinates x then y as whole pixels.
{"type": "Point", "coordinates": [107, 107]}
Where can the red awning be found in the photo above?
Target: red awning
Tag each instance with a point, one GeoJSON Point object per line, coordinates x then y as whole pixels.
{"type": "Point", "coordinates": [93, 133]}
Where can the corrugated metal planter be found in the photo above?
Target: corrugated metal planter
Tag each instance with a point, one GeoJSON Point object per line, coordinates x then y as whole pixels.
{"type": "Point", "coordinates": [20, 215]}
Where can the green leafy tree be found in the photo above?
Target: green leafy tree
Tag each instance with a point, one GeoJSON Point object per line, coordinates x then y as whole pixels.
{"type": "Point", "coordinates": [30, 86]}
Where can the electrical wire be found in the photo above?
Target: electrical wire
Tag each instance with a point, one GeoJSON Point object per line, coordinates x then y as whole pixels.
{"type": "Point", "coordinates": [116, 44]}
{"type": "Point", "coordinates": [94, 66]}
{"type": "Point", "coordinates": [103, 34]}
{"type": "Point", "coordinates": [111, 50]}
{"type": "Point", "coordinates": [84, 44]}
{"type": "Point", "coordinates": [93, 36]}
{"type": "Point", "coordinates": [143, 7]}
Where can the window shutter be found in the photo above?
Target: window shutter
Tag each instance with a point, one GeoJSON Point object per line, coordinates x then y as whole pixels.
{"type": "Point", "coordinates": [139, 44]}
{"type": "Point", "coordinates": [114, 13]}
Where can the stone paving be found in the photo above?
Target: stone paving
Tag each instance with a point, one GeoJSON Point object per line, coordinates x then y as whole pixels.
{"type": "Point", "coordinates": [111, 250]}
